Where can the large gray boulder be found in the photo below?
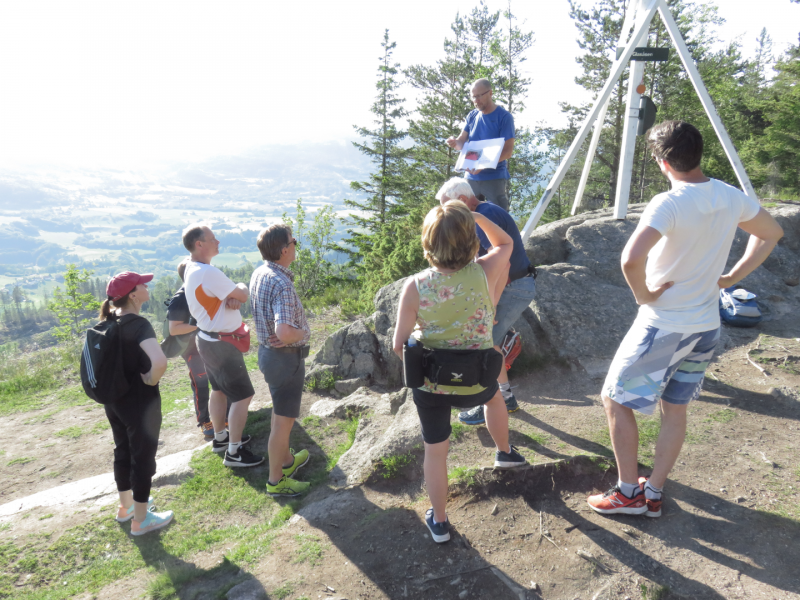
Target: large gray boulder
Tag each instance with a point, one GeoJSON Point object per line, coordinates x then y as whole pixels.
{"type": "Point", "coordinates": [378, 437]}
{"type": "Point", "coordinates": [584, 316]}
{"type": "Point", "coordinates": [583, 306]}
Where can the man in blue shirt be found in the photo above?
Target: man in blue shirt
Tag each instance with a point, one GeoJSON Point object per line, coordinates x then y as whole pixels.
{"type": "Point", "coordinates": [520, 287]}
{"type": "Point", "coordinates": [488, 121]}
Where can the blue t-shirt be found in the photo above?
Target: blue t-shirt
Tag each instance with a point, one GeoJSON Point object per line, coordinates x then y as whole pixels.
{"type": "Point", "coordinates": [497, 124]}
{"type": "Point", "coordinates": [519, 259]}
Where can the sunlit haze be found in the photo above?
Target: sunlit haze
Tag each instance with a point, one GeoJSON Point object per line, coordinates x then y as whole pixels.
{"type": "Point", "coordinates": [122, 83]}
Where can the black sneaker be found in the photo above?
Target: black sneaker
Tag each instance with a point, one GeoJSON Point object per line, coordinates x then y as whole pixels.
{"type": "Point", "coordinates": [220, 447]}
{"type": "Point", "coordinates": [440, 532]}
{"type": "Point", "coordinates": [243, 458]}
{"type": "Point", "coordinates": [508, 460]}
{"type": "Point", "coordinates": [473, 416]}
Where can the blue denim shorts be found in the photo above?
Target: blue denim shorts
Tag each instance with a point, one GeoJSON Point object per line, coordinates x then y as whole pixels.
{"type": "Point", "coordinates": [516, 297]}
{"type": "Point", "coordinates": [653, 364]}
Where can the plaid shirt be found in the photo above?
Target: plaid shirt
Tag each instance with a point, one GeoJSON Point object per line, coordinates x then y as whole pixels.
{"type": "Point", "coordinates": [274, 301]}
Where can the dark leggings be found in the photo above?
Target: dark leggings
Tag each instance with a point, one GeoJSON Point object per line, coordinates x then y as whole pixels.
{"type": "Point", "coordinates": [135, 424]}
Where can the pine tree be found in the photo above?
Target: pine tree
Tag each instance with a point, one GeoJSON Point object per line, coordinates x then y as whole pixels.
{"type": "Point", "coordinates": [383, 147]}
{"type": "Point", "coordinates": [71, 307]}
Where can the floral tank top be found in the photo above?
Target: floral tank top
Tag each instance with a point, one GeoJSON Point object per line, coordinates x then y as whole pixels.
{"type": "Point", "coordinates": [455, 313]}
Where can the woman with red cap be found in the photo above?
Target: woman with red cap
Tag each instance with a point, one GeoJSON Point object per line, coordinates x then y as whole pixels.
{"type": "Point", "coordinates": [136, 417]}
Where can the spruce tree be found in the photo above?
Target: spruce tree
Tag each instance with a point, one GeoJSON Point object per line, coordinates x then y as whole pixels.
{"type": "Point", "coordinates": [382, 146]}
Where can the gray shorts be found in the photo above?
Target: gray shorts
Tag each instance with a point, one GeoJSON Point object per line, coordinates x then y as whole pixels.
{"type": "Point", "coordinates": [226, 370]}
{"type": "Point", "coordinates": [516, 297]}
{"type": "Point", "coordinates": [285, 375]}
{"type": "Point", "coordinates": [493, 190]}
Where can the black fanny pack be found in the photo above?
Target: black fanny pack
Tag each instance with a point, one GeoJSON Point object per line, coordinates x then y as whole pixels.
{"type": "Point", "coordinates": [461, 368]}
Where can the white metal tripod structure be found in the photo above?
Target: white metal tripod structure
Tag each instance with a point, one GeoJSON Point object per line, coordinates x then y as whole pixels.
{"type": "Point", "coordinates": [646, 9]}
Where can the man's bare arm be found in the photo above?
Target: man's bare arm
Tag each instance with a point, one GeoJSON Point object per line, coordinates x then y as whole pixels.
{"type": "Point", "coordinates": [179, 328]}
{"type": "Point", "coordinates": [508, 150]}
{"type": "Point", "coordinates": [764, 234]}
{"type": "Point", "coordinates": [240, 293]}
{"type": "Point", "coordinates": [458, 143]}
{"type": "Point", "coordinates": [634, 260]}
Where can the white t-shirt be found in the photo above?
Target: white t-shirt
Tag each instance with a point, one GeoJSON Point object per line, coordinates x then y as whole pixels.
{"type": "Point", "coordinates": [206, 290]}
{"type": "Point", "coordinates": [698, 222]}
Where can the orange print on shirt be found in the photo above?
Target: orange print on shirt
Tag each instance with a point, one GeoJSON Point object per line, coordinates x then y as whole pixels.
{"type": "Point", "coordinates": [210, 303]}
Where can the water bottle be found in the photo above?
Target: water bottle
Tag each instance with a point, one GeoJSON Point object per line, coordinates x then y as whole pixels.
{"type": "Point", "coordinates": [412, 341]}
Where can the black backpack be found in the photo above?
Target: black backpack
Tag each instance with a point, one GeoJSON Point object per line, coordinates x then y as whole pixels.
{"type": "Point", "coordinates": [102, 373]}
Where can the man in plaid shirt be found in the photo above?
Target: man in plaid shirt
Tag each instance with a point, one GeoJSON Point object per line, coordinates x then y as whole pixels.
{"type": "Point", "coordinates": [283, 335]}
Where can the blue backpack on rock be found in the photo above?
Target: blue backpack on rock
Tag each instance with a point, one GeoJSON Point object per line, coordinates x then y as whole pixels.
{"type": "Point", "coordinates": [738, 307]}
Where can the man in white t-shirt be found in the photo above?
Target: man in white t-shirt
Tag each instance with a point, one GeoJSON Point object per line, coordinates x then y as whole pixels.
{"type": "Point", "coordinates": [674, 264]}
{"type": "Point", "coordinates": [214, 302]}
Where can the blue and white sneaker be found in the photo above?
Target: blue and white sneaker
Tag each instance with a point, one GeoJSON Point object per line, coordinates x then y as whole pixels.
{"type": "Point", "coordinates": [508, 460]}
{"type": "Point", "coordinates": [151, 522]}
{"type": "Point", "coordinates": [440, 532]}
{"type": "Point", "coordinates": [126, 514]}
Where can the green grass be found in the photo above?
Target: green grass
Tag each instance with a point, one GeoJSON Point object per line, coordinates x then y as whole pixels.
{"type": "Point", "coordinates": [392, 465]}
{"type": "Point", "coordinates": [458, 430]}
{"type": "Point", "coordinates": [251, 361]}
{"type": "Point", "coordinates": [539, 439]}
{"type": "Point", "coordinates": [89, 556]}
{"type": "Point", "coordinates": [73, 432]}
{"type": "Point", "coordinates": [462, 475]}
{"type": "Point", "coordinates": [349, 426]}
{"type": "Point", "coordinates": [101, 426]}
{"type": "Point", "coordinates": [310, 550]}
{"type": "Point", "coordinates": [20, 460]}
{"type": "Point", "coordinates": [311, 421]}
{"type": "Point", "coordinates": [283, 591]}
{"type": "Point", "coordinates": [726, 415]}
{"type": "Point", "coordinates": [47, 516]}
{"type": "Point", "coordinates": [655, 593]}
{"type": "Point", "coordinates": [26, 380]}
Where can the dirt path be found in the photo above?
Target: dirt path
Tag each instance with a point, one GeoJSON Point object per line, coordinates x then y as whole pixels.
{"type": "Point", "coordinates": [730, 529]}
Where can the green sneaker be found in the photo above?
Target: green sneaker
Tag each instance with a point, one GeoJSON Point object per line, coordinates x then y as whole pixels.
{"type": "Point", "coordinates": [300, 459]}
{"type": "Point", "coordinates": [287, 487]}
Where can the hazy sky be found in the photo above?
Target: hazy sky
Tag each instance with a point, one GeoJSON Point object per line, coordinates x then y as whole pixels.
{"type": "Point", "coordinates": [148, 81]}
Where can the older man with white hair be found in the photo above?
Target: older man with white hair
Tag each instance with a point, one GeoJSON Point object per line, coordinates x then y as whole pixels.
{"type": "Point", "coordinates": [487, 122]}
{"type": "Point", "coordinates": [519, 289]}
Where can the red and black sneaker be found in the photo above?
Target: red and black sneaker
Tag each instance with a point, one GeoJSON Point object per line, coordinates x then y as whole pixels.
{"type": "Point", "coordinates": [653, 506]}
{"type": "Point", "coordinates": [614, 502]}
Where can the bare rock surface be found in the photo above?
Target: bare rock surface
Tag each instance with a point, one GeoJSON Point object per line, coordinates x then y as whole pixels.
{"type": "Point", "coordinates": [378, 437]}
{"type": "Point", "coordinates": [100, 489]}
{"type": "Point", "coordinates": [582, 307]}
{"type": "Point", "coordinates": [362, 401]}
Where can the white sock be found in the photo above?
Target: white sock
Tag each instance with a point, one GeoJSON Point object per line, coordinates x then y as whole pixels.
{"type": "Point", "coordinates": [629, 489]}
{"type": "Point", "coordinates": [505, 387]}
{"type": "Point", "coordinates": [651, 492]}
{"type": "Point", "coordinates": [221, 436]}
{"type": "Point", "coordinates": [233, 447]}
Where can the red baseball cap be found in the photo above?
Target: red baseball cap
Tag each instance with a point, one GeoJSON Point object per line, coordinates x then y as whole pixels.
{"type": "Point", "coordinates": [124, 283]}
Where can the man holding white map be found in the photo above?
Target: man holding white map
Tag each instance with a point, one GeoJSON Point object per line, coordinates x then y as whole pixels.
{"type": "Point", "coordinates": [487, 122]}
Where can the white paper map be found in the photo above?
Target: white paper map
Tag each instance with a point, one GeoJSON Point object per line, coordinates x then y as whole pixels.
{"type": "Point", "coordinates": [483, 154]}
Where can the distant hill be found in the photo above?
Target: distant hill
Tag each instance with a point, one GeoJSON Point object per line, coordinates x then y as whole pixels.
{"type": "Point", "coordinates": [107, 218]}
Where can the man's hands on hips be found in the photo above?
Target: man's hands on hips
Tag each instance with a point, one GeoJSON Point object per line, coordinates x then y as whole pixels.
{"type": "Point", "coordinates": [647, 295]}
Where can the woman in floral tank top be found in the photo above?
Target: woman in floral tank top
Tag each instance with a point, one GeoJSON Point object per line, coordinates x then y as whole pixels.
{"type": "Point", "coordinates": [451, 306]}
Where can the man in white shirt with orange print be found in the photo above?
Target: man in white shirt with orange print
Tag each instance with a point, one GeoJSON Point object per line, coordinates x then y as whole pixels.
{"type": "Point", "coordinates": [214, 301]}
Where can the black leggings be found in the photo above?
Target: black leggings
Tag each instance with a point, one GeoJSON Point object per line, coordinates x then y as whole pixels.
{"type": "Point", "coordinates": [434, 410]}
{"type": "Point", "coordinates": [135, 424]}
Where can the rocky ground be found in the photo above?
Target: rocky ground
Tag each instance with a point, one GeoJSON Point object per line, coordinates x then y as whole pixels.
{"type": "Point", "coordinates": [730, 527]}
{"type": "Point", "coordinates": [731, 520]}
